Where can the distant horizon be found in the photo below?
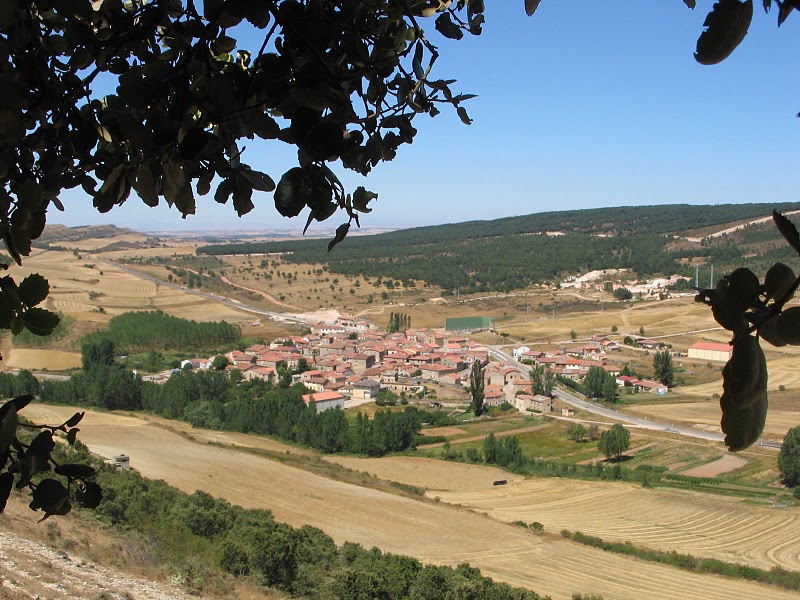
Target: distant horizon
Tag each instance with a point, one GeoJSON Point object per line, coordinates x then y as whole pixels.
{"type": "Point", "coordinates": [599, 107]}
{"type": "Point", "coordinates": [294, 227]}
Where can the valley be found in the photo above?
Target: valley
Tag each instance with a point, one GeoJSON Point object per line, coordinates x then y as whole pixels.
{"type": "Point", "coordinates": [435, 501]}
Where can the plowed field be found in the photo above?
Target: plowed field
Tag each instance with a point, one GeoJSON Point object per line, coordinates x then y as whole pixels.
{"type": "Point", "coordinates": [442, 534]}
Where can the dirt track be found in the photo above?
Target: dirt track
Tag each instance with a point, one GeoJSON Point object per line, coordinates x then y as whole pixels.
{"type": "Point", "coordinates": [431, 532]}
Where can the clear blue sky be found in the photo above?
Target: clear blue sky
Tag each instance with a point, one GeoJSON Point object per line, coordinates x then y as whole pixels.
{"type": "Point", "coordinates": [587, 104]}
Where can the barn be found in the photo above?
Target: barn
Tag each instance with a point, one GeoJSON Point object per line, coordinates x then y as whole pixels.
{"type": "Point", "coordinates": [324, 400]}
{"type": "Point", "coordinates": [711, 351]}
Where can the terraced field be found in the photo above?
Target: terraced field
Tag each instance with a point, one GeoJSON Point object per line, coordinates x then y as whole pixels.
{"type": "Point", "coordinates": [699, 524]}
{"type": "Point", "coordinates": [784, 413]}
{"type": "Point", "coordinates": [78, 288]}
{"type": "Point", "coordinates": [441, 534]}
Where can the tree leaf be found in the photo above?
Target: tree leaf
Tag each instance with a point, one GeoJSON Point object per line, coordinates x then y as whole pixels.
{"type": "Point", "coordinates": [288, 201]}
{"type": "Point", "coordinates": [784, 10]}
{"type": "Point", "coordinates": [89, 495]}
{"type": "Point", "coordinates": [362, 197]}
{"type": "Point", "coordinates": [462, 114]}
{"type": "Point", "coordinates": [8, 430]}
{"type": "Point", "coordinates": [76, 471]}
{"type": "Point", "coordinates": [744, 398]}
{"type": "Point", "coordinates": [42, 445]}
{"type": "Point", "coordinates": [72, 435]}
{"type": "Point", "coordinates": [177, 189]}
{"type": "Point", "coordinates": [690, 3]}
{"type": "Point", "coordinates": [445, 26]}
{"type": "Point", "coordinates": [145, 185]}
{"type": "Point", "coordinates": [40, 321]}
{"type": "Point", "coordinates": [416, 62]}
{"type": "Point", "coordinates": [74, 419]}
{"type": "Point", "coordinates": [787, 229]}
{"type": "Point", "coordinates": [726, 24]}
{"type": "Point", "coordinates": [778, 281]}
{"type": "Point", "coordinates": [33, 289]}
{"type": "Point", "coordinates": [17, 403]}
{"type": "Point", "coordinates": [260, 181]}
{"type": "Point", "coordinates": [341, 233]}
{"type": "Point", "coordinates": [6, 483]}
{"type": "Point", "coordinates": [50, 495]}
{"type": "Point", "coordinates": [531, 6]}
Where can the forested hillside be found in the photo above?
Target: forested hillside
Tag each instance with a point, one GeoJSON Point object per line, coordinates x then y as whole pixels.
{"type": "Point", "coordinates": [515, 252]}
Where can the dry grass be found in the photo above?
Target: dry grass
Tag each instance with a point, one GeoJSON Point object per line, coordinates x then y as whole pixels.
{"type": "Point", "coordinates": [705, 414]}
{"type": "Point", "coordinates": [444, 535]}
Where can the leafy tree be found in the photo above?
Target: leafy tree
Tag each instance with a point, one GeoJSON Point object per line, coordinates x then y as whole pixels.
{"type": "Point", "coordinates": [622, 294]}
{"type": "Point", "coordinates": [663, 367]}
{"type": "Point", "coordinates": [476, 388]}
{"type": "Point", "coordinates": [542, 378]}
{"type": "Point", "coordinates": [491, 449]}
{"type": "Point", "coordinates": [593, 382]}
{"type": "Point", "coordinates": [398, 322]}
{"type": "Point", "coordinates": [789, 457]}
{"type": "Point", "coordinates": [97, 352]}
{"type": "Point", "coordinates": [573, 334]}
{"type": "Point", "coordinates": [220, 362]}
{"type": "Point", "coordinates": [609, 390]}
{"type": "Point", "coordinates": [614, 441]}
{"type": "Point", "coordinates": [576, 432]}
{"type": "Point", "coordinates": [641, 330]}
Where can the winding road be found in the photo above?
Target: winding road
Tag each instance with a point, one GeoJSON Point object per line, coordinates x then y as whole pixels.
{"type": "Point", "coordinates": [640, 422]}
{"type": "Point", "coordinates": [494, 351]}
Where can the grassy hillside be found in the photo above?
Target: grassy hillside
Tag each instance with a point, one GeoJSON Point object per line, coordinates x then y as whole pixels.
{"type": "Point", "coordinates": [515, 252]}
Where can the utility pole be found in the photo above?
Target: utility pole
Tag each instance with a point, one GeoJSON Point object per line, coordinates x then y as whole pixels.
{"type": "Point", "coordinates": [697, 276]}
{"type": "Point", "coordinates": [712, 277]}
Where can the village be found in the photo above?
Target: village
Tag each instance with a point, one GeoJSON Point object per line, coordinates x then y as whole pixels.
{"type": "Point", "coordinates": [351, 360]}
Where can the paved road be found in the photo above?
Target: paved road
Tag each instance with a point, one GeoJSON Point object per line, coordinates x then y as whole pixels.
{"type": "Point", "coordinates": [573, 400]}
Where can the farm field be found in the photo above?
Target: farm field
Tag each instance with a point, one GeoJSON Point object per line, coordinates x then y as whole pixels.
{"type": "Point", "coordinates": [700, 524]}
{"type": "Point", "coordinates": [442, 534]}
{"type": "Point", "coordinates": [784, 413]}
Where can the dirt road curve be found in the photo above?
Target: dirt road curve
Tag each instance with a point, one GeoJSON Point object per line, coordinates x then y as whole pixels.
{"type": "Point", "coordinates": [432, 532]}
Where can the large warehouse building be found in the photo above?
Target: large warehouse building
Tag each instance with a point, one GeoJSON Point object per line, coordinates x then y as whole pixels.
{"type": "Point", "coordinates": [711, 351]}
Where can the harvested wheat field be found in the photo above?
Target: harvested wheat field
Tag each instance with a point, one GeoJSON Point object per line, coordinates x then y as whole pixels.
{"type": "Point", "coordinates": [417, 471]}
{"type": "Point", "coordinates": [676, 317]}
{"type": "Point", "coordinates": [84, 287]}
{"type": "Point", "coordinates": [40, 359]}
{"type": "Point", "coordinates": [700, 524]}
{"type": "Point", "coordinates": [706, 415]}
{"type": "Point", "coordinates": [725, 464]}
{"type": "Point", "coordinates": [431, 532]}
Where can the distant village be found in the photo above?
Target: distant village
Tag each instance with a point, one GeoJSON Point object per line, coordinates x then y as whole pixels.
{"type": "Point", "coordinates": [351, 359]}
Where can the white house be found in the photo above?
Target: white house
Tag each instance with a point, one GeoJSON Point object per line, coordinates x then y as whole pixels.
{"type": "Point", "coordinates": [519, 351]}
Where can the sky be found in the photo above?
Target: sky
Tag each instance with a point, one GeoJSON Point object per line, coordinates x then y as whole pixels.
{"type": "Point", "coordinates": [584, 105]}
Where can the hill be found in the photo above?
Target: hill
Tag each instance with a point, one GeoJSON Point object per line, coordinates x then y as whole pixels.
{"type": "Point", "coordinates": [515, 252]}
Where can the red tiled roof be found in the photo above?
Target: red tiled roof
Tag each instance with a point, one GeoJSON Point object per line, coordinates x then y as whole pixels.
{"type": "Point", "coordinates": [713, 346]}
{"type": "Point", "coordinates": [322, 397]}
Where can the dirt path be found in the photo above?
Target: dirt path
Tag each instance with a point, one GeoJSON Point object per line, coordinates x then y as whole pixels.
{"type": "Point", "coordinates": [737, 227]}
{"type": "Point", "coordinates": [264, 295]}
{"type": "Point", "coordinates": [429, 531]}
{"type": "Point", "coordinates": [478, 438]}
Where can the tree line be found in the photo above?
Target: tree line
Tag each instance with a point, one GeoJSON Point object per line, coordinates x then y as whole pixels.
{"type": "Point", "coordinates": [212, 399]}
{"type": "Point", "coordinates": [155, 330]}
